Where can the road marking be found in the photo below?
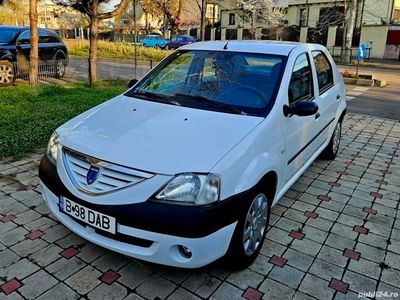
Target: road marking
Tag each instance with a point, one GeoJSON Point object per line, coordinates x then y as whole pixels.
{"type": "Point", "coordinates": [361, 88]}
{"type": "Point", "coordinates": [349, 98]}
{"type": "Point", "coordinates": [353, 93]}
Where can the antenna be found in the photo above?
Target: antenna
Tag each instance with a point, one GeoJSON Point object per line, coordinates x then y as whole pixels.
{"type": "Point", "coordinates": [229, 39]}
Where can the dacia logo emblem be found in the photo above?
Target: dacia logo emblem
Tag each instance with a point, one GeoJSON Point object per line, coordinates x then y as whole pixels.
{"type": "Point", "coordinates": [92, 174]}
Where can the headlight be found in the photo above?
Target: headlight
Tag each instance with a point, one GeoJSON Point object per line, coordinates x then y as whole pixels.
{"type": "Point", "coordinates": [52, 147]}
{"type": "Point", "coordinates": [190, 188]}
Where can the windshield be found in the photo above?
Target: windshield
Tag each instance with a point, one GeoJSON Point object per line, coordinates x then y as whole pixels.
{"type": "Point", "coordinates": [7, 35]}
{"type": "Point", "coordinates": [233, 82]}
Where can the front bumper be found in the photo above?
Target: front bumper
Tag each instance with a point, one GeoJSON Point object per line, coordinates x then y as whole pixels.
{"type": "Point", "coordinates": [161, 228]}
{"type": "Point", "coordinates": [162, 249]}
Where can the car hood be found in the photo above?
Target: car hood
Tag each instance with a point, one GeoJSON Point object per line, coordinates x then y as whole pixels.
{"type": "Point", "coordinates": [155, 137]}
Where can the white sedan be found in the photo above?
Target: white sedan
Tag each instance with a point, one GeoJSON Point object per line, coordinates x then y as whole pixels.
{"type": "Point", "coordinates": [184, 167]}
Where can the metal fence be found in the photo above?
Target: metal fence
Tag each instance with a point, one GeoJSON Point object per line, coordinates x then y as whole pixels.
{"type": "Point", "coordinates": [72, 70]}
{"type": "Point", "coordinates": [336, 51]}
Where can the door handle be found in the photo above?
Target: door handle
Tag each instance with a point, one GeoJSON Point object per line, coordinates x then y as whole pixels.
{"type": "Point", "coordinates": [317, 115]}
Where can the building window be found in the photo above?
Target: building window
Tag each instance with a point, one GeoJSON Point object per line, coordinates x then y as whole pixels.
{"type": "Point", "coordinates": [231, 19]}
{"type": "Point", "coordinates": [303, 22]}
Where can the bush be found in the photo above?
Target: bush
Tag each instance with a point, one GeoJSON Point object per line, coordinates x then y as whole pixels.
{"type": "Point", "coordinates": [115, 50]}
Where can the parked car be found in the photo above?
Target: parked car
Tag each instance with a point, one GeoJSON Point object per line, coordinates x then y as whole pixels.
{"type": "Point", "coordinates": [153, 40]}
{"type": "Point", "coordinates": [180, 40]}
{"type": "Point", "coordinates": [15, 50]}
{"type": "Point", "coordinates": [202, 148]}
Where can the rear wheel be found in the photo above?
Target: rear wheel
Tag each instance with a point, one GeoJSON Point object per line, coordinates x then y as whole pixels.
{"type": "Point", "coordinates": [331, 151]}
{"type": "Point", "coordinates": [250, 232]}
{"type": "Point", "coordinates": [6, 73]}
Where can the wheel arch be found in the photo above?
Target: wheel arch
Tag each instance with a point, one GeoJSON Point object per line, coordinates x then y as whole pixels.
{"type": "Point", "coordinates": [60, 54]}
{"type": "Point", "coordinates": [270, 182]}
{"type": "Point", "coordinates": [342, 115]}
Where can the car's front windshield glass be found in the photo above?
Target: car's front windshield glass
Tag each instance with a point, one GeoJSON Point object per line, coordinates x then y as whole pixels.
{"type": "Point", "coordinates": [234, 82]}
{"type": "Point", "coordinates": [7, 35]}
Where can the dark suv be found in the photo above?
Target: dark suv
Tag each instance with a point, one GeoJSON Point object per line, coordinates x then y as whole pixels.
{"type": "Point", "coordinates": [15, 49]}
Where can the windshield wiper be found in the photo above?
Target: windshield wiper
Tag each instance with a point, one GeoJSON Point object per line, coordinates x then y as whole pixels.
{"type": "Point", "coordinates": [152, 96]}
{"type": "Point", "coordinates": [214, 104]}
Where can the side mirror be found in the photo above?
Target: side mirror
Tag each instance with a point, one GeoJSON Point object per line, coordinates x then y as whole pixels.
{"type": "Point", "coordinates": [301, 108]}
{"type": "Point", "coordinates": [132, 82]}
{"type": "Point", "coordinates": [18, 43]}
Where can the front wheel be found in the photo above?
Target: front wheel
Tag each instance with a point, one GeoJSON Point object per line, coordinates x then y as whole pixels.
{"type": "Point", "coordinates": [331, 151]}
{"type": "Point", "coordinates": [6, 73]}
{"type": "Point", "coordinates": [250, 232]}
{"type": "Point", "coordinates": [60, 68]}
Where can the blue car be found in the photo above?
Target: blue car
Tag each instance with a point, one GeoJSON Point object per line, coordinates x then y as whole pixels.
{"type": "Point", "coordinates": [153, 40]}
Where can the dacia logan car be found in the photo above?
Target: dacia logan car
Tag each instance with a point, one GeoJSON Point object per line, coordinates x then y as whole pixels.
{"type": "Point", "coordinates": [184, 167]}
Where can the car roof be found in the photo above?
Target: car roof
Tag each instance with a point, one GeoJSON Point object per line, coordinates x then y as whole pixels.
{"type": "Point", "coordinates": [14, 27]}
{"type": "Point", "coordinates": [265, 46]}
{"type": "Point", "coordinates": [21, 28]}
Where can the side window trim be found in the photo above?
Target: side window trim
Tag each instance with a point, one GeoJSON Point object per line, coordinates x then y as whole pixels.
{"type": "Point", "coordinates": [328, 86]}
{"type": "Point", "coordinates": [21, 35]}
{"type": "Point", "coordinates": [304, 98]}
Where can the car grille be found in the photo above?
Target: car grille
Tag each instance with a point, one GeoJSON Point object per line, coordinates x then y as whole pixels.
{"type": "Point", "coordinates": [111, 177]}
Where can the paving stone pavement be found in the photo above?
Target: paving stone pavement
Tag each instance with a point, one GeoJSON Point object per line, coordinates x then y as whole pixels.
{"type": "Point", "coordinates": [335, 234]}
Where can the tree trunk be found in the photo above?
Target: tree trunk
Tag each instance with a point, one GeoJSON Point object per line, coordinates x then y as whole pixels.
{"type": "Point", "coordinates": [94, 32]}
{"type": "Point", "coordinates": [34, 51]}
{"type": "Point", "coordinates": [203, 20]}
{"type": "Point", "coordinates": [350, 29]}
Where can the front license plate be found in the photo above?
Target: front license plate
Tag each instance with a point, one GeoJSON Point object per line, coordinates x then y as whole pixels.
{"type": "Point", "coordinates": [87, 215]}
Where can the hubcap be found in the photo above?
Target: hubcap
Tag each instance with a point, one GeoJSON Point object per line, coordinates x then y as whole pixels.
{"type": "Point", "coordinates": [256, 222]}
{"type": "Point", "coordinates": [336, 138]}
{"type": "Point", "coordinates": [6, 74]}
{"type": "Point", "coordinates": [60, 68]}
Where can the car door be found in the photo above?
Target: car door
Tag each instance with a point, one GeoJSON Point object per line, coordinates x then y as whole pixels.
{"type": "Point", "coordinates": [23, 48]}
{"type": "Point", "coordinates": [299, 131]}
{"type": "Point", "coordinates": [328, 93]}
{"type": "Point", "coordinates": [46, 47]}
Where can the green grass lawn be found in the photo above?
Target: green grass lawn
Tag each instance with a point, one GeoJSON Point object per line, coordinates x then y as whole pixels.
{"type": "Point", "coordinates": [29, 115]}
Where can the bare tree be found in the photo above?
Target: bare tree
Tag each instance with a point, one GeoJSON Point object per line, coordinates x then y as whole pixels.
{"type": "Point", "coordinates": [349, 30]}
{"type": "Point", "coordinates": [257, 12]}
{"type": "Point", "coordinates": [169, 9]}
{"type": "Point", "coordinates": [95, 12]}
{"type": "Point", "coordinates": [15, 11]}
{"type": "Point", "coordinates": [34, 39]}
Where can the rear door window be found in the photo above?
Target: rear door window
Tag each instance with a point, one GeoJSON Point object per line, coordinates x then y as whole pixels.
{"type": "Point", "coordinates": [324, 71]}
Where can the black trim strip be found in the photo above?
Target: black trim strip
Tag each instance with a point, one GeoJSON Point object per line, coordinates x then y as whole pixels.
{"type": "Point", "coordinates": [308, 144]}
{"type": "Point", "coordinates": [165, 218]}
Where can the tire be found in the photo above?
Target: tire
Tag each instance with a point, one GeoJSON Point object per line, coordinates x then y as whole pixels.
{"type": "Point", "coordinates": [60, 68]}
{"type": "Point", "coordinates": [331, 151]}
{"type": "Point", "coordinates": [246, 242]}
{"type": "Point", "coordinates": [6, 73]}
